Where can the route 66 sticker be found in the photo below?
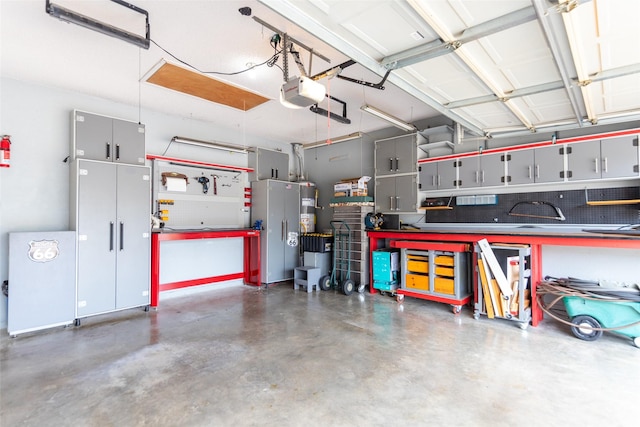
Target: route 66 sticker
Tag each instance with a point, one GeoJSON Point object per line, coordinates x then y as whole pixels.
{"type": "Point", "coordinates": [43, 250]}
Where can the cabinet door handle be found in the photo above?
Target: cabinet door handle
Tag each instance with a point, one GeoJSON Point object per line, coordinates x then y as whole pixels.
{"type": "Point", "coordinates": [121, 235]}
{"type": "Point", "coordinates": [276, 173]}
{"type": "Point", "coordinates": [397, 203]}
{"type": "Point", "coordinates": [538, 171]}
{"type": "Point", "coordinates": [483, 176]}
{"type": "Point", "coordinates": [117, 151]}
{"type": "Point", "coordinates": [433, 180]}
{"type": "Point", "coordinates": [286, 228]}
{"type": "Point", "coordinates": [605, 166]}
{"type": "Point", "coordinates": [390, 163]}
{"type": "Point", "coordinates": [529, 175]}
{"type": "Point", "coordinates": [390, 202]}
{"type": "Point", "coordinates": [108, 150]}
{"type": "Point", "coordinates": [397, 164]}
{"type": "Point", "coordinates": [282, 230]}
{"type": "Point", "coordinates": [595, 164]}
{"type": "Point", "coordinates": [111, 236]}
{"type": "Point", "coordinates": [477, 180]}
{"type": "Point", "coordinates": [438, 180]}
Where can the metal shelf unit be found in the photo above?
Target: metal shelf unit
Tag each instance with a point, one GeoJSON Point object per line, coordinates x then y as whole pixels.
{"type": "Point", "coordinates": [519, 306]}
{"type": "Point", "coordinates": [354, 216]}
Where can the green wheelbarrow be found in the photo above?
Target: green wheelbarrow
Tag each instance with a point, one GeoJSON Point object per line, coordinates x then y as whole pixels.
{"type": "Point", "coordinates": [591, 316]}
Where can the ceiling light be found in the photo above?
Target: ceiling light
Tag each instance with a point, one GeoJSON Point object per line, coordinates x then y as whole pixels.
{"type": "Point", "coordinates": [391, 119]}
{"type": "Point", "coordinates": [129, 23]}
{"type": "Point", "coordinates": [212, 144]}
{"type": "Point", "coordinates": [329, 141]}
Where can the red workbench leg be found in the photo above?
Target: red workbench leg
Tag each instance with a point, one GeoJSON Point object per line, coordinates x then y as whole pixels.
{"type": "Point", "coordinates": [155, 270]}
{"type": "Point", "coordinates": [536, 277]}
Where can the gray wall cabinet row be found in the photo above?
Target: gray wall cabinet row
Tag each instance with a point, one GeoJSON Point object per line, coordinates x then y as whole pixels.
{"type": "Point", "coordinates": [590, 160]}
{"type": "Point", "coordinates": [400, 174]}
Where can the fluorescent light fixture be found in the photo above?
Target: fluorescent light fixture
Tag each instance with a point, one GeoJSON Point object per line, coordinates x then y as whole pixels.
{"type": "Point", "coordinates": [212, 144]}
{"type": "Point", "coordinates": [115, 18]}
{"type": "Point", "coordinates": [388, 117]}
{"type": "Point", "coordinates": [329, 141]}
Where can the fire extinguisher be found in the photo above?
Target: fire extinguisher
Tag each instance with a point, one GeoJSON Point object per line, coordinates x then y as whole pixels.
{"type": "Point", "coordinates": [5, 151]}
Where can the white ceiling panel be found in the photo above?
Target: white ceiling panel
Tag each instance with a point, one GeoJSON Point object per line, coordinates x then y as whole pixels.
{"type": "Point", "coordinates": [619, 94]}
{"type": "Point", "coordinates": [368, 26]}
{"type": "Point", "coordinates": [546, 107]}
{"type": "Point", "coordinates": [449, 78]}
{"type": "Point", "coordinates": [491, 115]}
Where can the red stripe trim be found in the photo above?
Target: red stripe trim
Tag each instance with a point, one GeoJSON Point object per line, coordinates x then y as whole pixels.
{"type": "Point", "coordinates": [534, 145]}
{"type": "Point", "coordinates": [203, 281]}
{"type": "Point", "coordinates": [195, 162]}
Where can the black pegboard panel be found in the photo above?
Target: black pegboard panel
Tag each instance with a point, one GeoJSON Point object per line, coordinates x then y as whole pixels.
{"type": "Point", "coordinates": [572, 204]}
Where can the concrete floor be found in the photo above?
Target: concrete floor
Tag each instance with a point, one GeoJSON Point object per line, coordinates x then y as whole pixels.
{"type": "Point", "coordinates": [242, 356]}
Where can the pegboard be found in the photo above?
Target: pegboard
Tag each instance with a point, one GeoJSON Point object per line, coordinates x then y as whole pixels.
{"type": "Point", "coordinates": [219, 203]}
{"type": "Point", "coordinates": [572, 204]}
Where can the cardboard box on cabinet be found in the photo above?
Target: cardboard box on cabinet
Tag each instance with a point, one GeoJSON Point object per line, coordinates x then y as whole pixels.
{"type": "Point", "coordinates": [352, 187]}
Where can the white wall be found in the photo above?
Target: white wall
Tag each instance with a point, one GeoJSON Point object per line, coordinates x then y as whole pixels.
{"type": "Point", "coordinates": [34, 191]}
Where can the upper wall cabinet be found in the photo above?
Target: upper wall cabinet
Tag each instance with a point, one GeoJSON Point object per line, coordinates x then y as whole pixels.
{"type": "Point", "coordinates": [268, 164]}
{"type": "Point", "coordinates": [108, 139]}
{"type": "Point", "coordinates": [483, 170]}
{"type": "Point", "coordinates": [545, 164]}
{"type": "Point", "coordinates": [397, 155]}
{"type": "Point", "coordinates": [603, 159]}
{"type": "Point", "coordinates": [438, 175]}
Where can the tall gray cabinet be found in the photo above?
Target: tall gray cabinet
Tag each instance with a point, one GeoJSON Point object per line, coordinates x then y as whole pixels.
{"type": "Point", "coordinates": [110, 211]}
{"type": "Point", "coordinates": [396, 186]}
{"type": "Point", "coordinates": [277, 204]}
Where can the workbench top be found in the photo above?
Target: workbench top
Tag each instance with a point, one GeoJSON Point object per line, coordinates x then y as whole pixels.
{"type": "Point", "coordinates": [578, 231]}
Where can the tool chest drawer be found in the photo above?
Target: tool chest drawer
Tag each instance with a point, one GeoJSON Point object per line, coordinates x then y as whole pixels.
{"type": "Point", "coordinates": [418, 263]}
{"type": "Point", "coordinates": [417, 281]}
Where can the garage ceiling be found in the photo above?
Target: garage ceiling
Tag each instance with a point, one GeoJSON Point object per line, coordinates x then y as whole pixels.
{"type": "Point", "coordinates": [496, 67]}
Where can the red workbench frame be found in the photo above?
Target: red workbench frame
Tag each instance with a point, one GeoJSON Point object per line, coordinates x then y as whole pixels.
{"type": "Point", "coordinates": [251, 262]}
{"type": "Point", "coordinates": [377, 240]}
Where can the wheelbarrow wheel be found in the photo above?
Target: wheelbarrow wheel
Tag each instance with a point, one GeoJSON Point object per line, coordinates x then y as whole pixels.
{"type": "Point", "coordinates": [325, 283]}
{"type": "Point", "coordinates": [348, 286]}
{"type": "Point", "coordinates": [583, 328]}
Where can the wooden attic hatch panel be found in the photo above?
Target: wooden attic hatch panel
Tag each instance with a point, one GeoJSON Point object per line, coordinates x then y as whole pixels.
{"type": "Point", "coordinates": [195, 84]}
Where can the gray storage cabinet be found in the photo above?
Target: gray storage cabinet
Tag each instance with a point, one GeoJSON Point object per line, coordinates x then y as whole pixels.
{"type": "Point", "coordinates": [396, 174]}
{"type": "Point", "coordinates": [108, 139]}
{"type": "Point", "coordinates": [42, 284]}
{"type": "Point", "coordinates": [277, 204]}
{"type": "Point", "coordinates": [110, 211]}
{"type": "Point", "coordinates": [268, 164]}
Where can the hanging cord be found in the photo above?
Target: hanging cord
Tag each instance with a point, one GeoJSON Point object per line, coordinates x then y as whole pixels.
{"type": "Point", "coordinates": [561, 288]}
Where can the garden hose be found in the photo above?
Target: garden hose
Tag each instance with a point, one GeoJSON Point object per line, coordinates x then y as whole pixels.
{"type": "Point", "coordinates": [583, 289]}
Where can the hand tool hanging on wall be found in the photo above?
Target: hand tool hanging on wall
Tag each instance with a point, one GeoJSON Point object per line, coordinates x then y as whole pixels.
{"type": "Point", "coordinates": [205, 183]}
{"type": "Point", "coordinates": [559, 216]}
{"type": "Point", "coordinates": [215, 184]}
